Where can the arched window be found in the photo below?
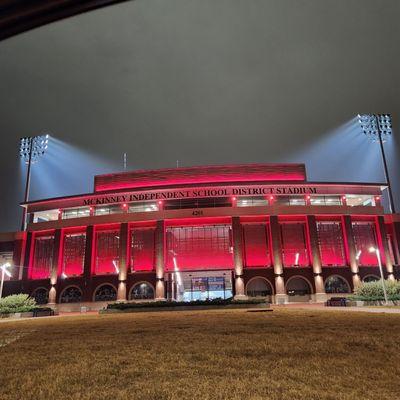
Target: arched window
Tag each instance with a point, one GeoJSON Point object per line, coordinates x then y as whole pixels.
{"type": "Point", "coordinates": [71, 294]}
{"type": "Point", "coordinates": [336, 284]}
{"type": "Point", "coordinates": [41, 296]}
{"type": "Point", "coordinates": [142, 291]}
{"type": "Point", "coordinates": [298, 286]}
{"type": "Point", "coordinates": [258, 287]}
{"type": "Point", "coordinates": [370, 278]}
{"type": "Point", "coordinates": [105, 293]}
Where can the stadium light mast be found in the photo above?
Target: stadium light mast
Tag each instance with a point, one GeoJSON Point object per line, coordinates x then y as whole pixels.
{"type": "Point", "coordinates": [376, 126]}
{"type": "Point", "coordinates": [30, 150]}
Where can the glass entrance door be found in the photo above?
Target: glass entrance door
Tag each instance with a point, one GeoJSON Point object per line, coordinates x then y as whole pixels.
{"type": "Point", "coordinates": [207, 285]}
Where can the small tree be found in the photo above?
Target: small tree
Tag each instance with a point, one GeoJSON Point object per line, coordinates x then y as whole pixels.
{"type": "Point", "coordinates": [17, 303]}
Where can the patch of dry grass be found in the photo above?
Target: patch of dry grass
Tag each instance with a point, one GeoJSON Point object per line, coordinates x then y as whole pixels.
{"type": "Point", "coordinates": [286, 354]}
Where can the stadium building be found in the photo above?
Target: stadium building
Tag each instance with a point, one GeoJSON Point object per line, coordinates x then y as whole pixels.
{"type": "Point", "coordinates": [258, 230]}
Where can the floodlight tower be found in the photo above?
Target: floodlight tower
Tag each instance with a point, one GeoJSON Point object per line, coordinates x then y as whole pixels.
{"type": "Point", "coordinates": [30, 150]}
{"type": "Point", "coordinates": [376, 127]}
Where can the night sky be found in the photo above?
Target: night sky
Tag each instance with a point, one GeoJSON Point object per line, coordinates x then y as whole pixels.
{"type": "Point", "coordinates": [202, 82]}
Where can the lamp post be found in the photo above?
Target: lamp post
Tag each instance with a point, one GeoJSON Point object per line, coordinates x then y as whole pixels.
{"type": "Point", "coordinates": [378, 256]}
{"type": "Point", "coordinates": [3, 273]}
{"type": "Point", "coordinates": [375, 126]}
{"type": "Point", "coordinates": [30, 149]}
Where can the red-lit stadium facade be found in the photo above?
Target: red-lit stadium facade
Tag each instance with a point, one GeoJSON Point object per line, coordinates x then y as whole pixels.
{"type": "Point", "coordinates": [258, 230]}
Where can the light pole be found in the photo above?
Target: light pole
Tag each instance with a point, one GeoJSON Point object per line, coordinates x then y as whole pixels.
{"type": "Point", "coordinates": [374, 126]}
{"type": "Point", "coordinates": [378, 256]}
{"type": "Point", "coordinates": [3, 273]}
{"type": "Point", "coordinates": [30, 149]}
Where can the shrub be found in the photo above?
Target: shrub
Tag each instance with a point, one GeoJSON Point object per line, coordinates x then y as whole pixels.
{"type": "Point", "coordinates": [161, 304]}
{"type": "Point", "coordinates": [371, 291]}
{"type": "Point", "coordinates": [16, 303]}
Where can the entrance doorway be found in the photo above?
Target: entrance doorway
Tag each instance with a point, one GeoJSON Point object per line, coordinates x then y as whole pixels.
{"type": "Point", "coordinates": [203, 285]}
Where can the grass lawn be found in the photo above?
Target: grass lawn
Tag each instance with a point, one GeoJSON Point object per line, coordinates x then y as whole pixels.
{"type": "Point", "coordinates": [287, 354]}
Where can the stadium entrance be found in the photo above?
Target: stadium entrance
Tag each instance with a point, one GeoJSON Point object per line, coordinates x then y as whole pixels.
{"type": "Point", "coordinates": [199, 285]}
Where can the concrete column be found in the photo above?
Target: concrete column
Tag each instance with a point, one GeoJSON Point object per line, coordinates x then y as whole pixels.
{"type": "Point", "coordinates": [57, 253]}
{"type": "Point", "coordinates": [351, 249]}
{"type": "Point", "coordinates": [396, 229]}
{"type": "Point", "coordinates": [382, 238]}
{"type": "Point", "coordinates": [238, 258]}
{"type": "Point", "coordinates": [29, 250]}
{"type": "Point", "coordinates": [123, 262]}
{"type": "Point", "coordinates": [160, 260]}
{"type": "Point", "coordinates": [280, 293]}
{"type": "Point", "coordinates": [320, 294]}
{"type": "Point", "coordinates": [87, 264]}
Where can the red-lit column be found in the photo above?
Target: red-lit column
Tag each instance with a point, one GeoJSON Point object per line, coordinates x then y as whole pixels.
{"type": "Point", "coordinates": [238, 258]}
{"type": "Point", "coordinates": [280, 292]}
{"type": "Point", "coordinates": [320, 294]}
{"type": "Point", "coordinates": [396, 229]}
{"type": "Point", "coordinates": [57, 251]}
{"type": "Point", "coordinates": [123, 262]}
{"type": "Point", "coordinates": [383, 245]}
{"type": "Point", "coordinates": [29, 250]}
{"type": "Point", "coordinates": [351, 250]}
{"type": "Point", "coordinates": [159, 249]}
{"type": "Point", "coordinates": [87, 265]}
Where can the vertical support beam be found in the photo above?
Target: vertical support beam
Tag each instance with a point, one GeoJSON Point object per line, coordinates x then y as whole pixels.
{"type": "Point", "coordinates": [57, 252]}
{"type": "Point", "coordinates": [87, 265]}
{"type": "Point", "coordinates": [29, 252]}
{"type": "Point", "coordinates": [280, 292]}
{"type": "Point", "coordinates": [383, 245]}
{"type": "Point", "coordinates": [160, 262]}
{"type": "Point", "coordinates": [351, 249]}
{"type": "Point", "coordinates": [238, 258]}
{"type": "Point", "coordinates": [320, 294]}
{"type": "Point", "coordinates": [396, 230]}
{"type": "Point", "coordinates": [123, 262]}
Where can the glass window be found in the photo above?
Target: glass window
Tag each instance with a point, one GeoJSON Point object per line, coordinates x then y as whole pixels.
{"type": "Point", "coordinates": [294, 244]}
{"type": "Point", "coordinates": [325, 200]}
{"type": "Point", "coordinates": [371, 278]}
{"type": "Point", "coordinates": [142, 249]}
{"type": "Point", "coordinates": [113, 209]}
{"type": "Point", "coordinates": [290, 200]}
{"type": "Point", "coordinates": [143, 207]}
{"type": "Point", "coordinates": [105, 293]}
{"type": "Point", "coordinates": [251, 202]}
{"type": "Point", "coordinates": [44, 216]}
{"type": "Point", "coordinates": [256, 246]}
{"type": "Point", "coordinates": [73, 254]}
{"type": "Point", "coordinates": [365, 238]}
{"type": "Point", "coordinates": [76, 212]}
{"type": "Point", "coordinates": [41, 296]}
{"type": "Point", "coordinates": [298, 287]}
{"type": "Point", "coordinates": [71, 294]}
{"type": "Point", "coordinates": [42, 257]}
{"type": "Point", "coordinates": [107, 252]}
{"type": "Point", "coordinates": [336, 284]}
{"type": "Point", "coordinates": [7, 257]}
{"type": "Point", "coordinates": [330, 241]}
{"type": "Point", "coordinates": [206, 202]}
{"type": "Point", "coordinates": [142, 291]}
{"type": "Point", "coordinates": [194, 247]}
{"type": "Point", "coordinates": [360, 200]}
{"type": "Point", "coordinates": [258, 287]}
